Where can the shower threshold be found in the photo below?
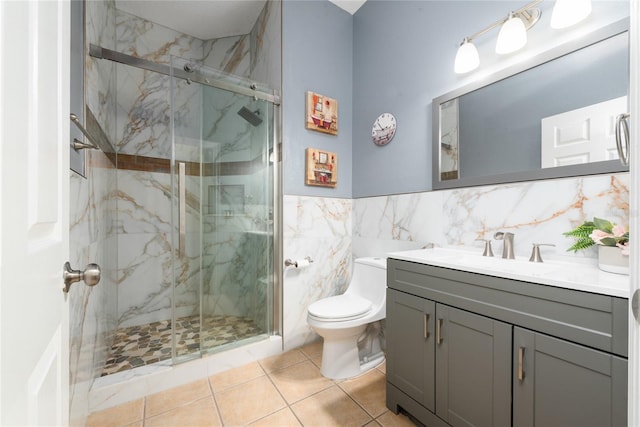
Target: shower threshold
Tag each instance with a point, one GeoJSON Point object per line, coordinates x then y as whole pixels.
{"type": "Point", "coordinates": [142, 345]}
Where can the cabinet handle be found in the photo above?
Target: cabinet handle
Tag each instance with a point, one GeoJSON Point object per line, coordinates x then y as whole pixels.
{"type": "Point", "coordinates": [438, 331]}
{"type": "Point", "coordinates": [520, 360]}
{"type": "Point", "coordinates": [426, 329]}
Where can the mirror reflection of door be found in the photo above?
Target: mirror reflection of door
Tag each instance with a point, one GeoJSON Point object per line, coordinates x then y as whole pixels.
{"type": "Point", "coordinates": [582, 135]}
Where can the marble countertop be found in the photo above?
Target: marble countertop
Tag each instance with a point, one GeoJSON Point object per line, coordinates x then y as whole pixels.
{"type": "Point", "coordinates": [582, 275]}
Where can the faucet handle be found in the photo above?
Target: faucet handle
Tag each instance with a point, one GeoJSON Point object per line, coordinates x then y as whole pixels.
{"type": "Point", "coordinates": [487, 247]}
{"type": "Point", "coordinates": [535, 251]}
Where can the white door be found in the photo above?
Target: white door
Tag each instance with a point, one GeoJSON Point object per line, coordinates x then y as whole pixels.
{"type": "Point", "coordinates": [634, 210]}
{"type": "Point", "coordinates": [34, 211]}
{"type": "Point", "coordinates": [583, 135]}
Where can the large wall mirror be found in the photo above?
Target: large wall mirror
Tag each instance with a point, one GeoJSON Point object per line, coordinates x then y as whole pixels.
{"type": "Point", "coordinates": [551, 117]}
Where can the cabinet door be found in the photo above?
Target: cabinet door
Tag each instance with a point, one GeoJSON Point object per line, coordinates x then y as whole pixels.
{"type": "Point", "coordinates": [473, 369]}
{"type": "Point", "coordinates": [410, 359]}
{"type": "Point", "coordinates": [558, 383]}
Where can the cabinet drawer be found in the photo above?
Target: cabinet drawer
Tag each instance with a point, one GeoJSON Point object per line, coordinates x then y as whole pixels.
{"type": "Point", "coordinates": [594, 320]}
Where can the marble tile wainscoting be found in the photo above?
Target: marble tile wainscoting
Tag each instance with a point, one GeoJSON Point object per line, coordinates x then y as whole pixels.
{"type": "Point", "coordinates": [335, 231]}
{"type": "Point", "coordinates": [322, 229]}
{"type": "Point", "coordinates": [536, 212]}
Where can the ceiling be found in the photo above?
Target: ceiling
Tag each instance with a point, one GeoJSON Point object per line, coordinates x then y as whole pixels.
{"type": "Point", "coordinates": [350, 6]}
{"type": "Point", "coordinates": [211, 19]}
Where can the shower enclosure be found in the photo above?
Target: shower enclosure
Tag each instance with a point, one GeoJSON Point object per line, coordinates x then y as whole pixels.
{"type": "Point", "coordinates": [201, 207]}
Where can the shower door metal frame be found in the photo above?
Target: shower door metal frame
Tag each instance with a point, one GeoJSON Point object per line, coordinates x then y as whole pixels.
{"type": "Point", "coordinates": [278, 258]}
{"type": "Point", "coordinates": [112, 55]}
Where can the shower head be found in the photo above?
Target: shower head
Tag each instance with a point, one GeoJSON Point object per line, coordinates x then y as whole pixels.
{"type": "Point", "coordinates": [252, 117]}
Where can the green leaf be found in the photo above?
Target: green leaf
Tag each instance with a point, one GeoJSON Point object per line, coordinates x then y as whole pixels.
{"type": "Point", "coordinates": [582, 231]}
{"type": "Point", "coordinates": [603, 224]}
{"type": "Point", "coordinates": [608, 241]}
{"type": "Point", "coordinates": [581, 244]}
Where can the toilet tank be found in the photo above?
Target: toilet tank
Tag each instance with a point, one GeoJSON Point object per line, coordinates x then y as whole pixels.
{"type": "Point", "coordinates": [369, 279]}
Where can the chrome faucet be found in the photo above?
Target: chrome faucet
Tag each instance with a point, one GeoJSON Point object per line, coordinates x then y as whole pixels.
{"type": "Point", "coordinates": [507, 244]}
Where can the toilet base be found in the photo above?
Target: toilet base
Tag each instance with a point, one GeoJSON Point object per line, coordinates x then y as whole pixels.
{"type": "Point", "coordinates": [340, 359]}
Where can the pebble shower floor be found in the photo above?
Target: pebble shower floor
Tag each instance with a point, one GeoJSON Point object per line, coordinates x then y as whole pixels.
{"type": "Point", "coordinates": [141, 345]}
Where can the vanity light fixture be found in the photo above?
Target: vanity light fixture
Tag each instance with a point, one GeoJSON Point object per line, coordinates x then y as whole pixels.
{"type": "Point", "coordinates": [467, 58]}
{"type": "Point", "coordinates": [513, 30]}
{"type": "Point", "coordinates": [569, 12]}
{"type": "Point", "coordinates": [512, 36]}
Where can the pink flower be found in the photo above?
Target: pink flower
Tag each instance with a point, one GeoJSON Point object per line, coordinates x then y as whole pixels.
{"type": "Point", "coordinates": [598, 235]}
{"type": "Point", "coordinates": [624, 248]}
{"type": "Point", "coordinates": [619, 230]}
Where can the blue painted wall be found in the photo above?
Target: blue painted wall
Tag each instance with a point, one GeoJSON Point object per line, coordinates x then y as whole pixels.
{"type": "Point", "coordinates": [391, 56]}
{"type": "Point", "coordinates": [403, 58]}
{"type": "Point", "coordinates": [317, 55]}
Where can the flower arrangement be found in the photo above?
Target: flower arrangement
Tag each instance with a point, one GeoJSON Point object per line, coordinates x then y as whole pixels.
{"type": "Point", "coordinates": [599, 232]}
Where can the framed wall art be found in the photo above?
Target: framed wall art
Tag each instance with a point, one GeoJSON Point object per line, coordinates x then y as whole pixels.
{"type": "Point", "coordinates": [322, 168]}
{"type": "Point", "coordinates": [322, 113]}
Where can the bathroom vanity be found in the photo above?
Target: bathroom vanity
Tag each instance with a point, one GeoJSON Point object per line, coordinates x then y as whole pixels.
{"type": "Point", "coordinates": [490, 342]}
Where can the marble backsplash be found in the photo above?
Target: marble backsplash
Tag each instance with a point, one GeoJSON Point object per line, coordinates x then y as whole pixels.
{"type": "Point", "coordinates": [536, 212]}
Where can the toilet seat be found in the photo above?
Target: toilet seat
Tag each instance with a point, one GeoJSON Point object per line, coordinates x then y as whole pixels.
{"type": "Point", "coordinates": [340, 308]}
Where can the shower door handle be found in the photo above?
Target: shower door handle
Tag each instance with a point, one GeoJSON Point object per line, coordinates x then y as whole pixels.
{"type": "Point", "coordinates": [182, 207]}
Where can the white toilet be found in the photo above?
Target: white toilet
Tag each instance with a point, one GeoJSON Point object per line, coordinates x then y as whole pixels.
{"type": "Point", "coordinates": [341, 320]}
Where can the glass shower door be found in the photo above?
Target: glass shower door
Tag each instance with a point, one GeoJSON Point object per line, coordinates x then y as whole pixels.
{"type": "Point", "coordinates": [237, 237]}
{"type": "Point", "coordinates": [186, 219]}
{"type": "Point", "coordinates": [223, 261]}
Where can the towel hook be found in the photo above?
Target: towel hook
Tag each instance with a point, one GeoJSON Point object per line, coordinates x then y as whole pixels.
{"type": "Point", "coordinates": [80, 145]}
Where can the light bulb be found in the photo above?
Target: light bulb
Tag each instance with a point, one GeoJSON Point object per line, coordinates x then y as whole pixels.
{"type": "Point", "coordinates": [569, 12]}
{"type": "Point", "coordinates": [512, 36]}
{"type": "Point", "coordinates": [467, 58]}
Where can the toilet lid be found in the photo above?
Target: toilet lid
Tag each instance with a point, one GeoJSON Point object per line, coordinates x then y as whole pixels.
{"type": "Point", "coordinates": [340, 307]}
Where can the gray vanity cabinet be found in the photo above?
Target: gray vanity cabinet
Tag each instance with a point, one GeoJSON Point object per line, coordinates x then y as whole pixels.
{"type": "Point", "coordinates": [473, 369]}
{"type": "Point", "coordinates": [410, 333]}
{"type": "Point", "coordinates": [454, 363]}
{"type": "Point", "coordinates": [559, 383]}
{"type": "Point", "coordinates": [466, 349]}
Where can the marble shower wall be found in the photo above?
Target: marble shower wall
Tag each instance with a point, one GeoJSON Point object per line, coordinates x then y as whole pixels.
{"type": "Point", "coordinates": [266, 43]}
{"type": "Point", "coordinates": [92, 309]}
{"type": "Point", "coordinates": [92, 215]}
{"type": "Point", "coordinates": [536, 212]}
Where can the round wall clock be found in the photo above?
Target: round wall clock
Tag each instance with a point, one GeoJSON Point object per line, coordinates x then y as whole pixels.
{"type": "Point", "coordinates": [383, 129]}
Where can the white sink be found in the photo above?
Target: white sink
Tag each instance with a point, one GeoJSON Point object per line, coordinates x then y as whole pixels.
{"type": "Point", "coordinates": [583, 274]}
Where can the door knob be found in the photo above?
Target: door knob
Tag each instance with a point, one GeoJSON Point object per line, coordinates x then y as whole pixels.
{"type": "Point", "coordinates": [90, 275]}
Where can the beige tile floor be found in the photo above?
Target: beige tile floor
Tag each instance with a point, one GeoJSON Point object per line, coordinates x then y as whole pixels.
{"type": "Point", "coordinates": [283, 390]}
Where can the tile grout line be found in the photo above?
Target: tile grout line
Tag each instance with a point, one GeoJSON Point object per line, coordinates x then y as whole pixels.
{"type": "Point", "coordinates": [215, 401]}
{"type": "Point", "coordinates": [144, 411]}
{"type": "Point", "coordinates": [288, 406]}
